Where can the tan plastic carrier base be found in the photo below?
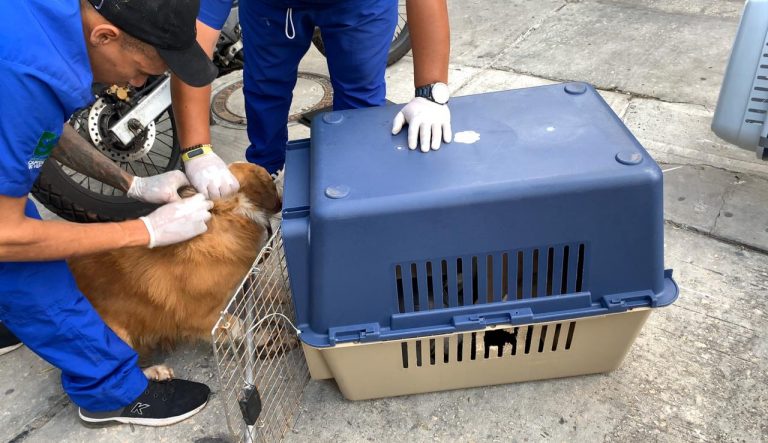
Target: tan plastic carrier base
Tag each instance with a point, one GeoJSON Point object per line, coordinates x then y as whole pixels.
{"type": "Point", "coordinates": [496, 355]}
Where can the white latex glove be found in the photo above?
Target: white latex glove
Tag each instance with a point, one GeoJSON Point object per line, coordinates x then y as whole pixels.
{"type": "Point", "coordinates": [162, 188]}
{"type": "Point", "coordinates": [427, 122]}
{"type": "Point", "coordinates": [210, 176]}
{"type": "Point", "coordinates": [178, 221]}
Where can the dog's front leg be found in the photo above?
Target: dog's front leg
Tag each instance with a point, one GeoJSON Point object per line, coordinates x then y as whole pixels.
{"type": "Point", "coordinates": [158, 373]}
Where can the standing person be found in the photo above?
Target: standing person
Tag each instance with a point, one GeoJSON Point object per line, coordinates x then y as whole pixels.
{"type": "Point", "coordinates": [357, 35]}
{"type": "Point", "coordinates": [50, 53]}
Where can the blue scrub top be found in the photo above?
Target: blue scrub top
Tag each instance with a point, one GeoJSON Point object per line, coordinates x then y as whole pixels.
{"type": "Point", "coordinates": [45, 76]}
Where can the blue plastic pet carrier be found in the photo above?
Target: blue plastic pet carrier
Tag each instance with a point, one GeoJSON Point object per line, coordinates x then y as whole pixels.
{"type": "Point", "coordinates": [742, 106]}
{"type": "Point", "coordinates": [543, 210]}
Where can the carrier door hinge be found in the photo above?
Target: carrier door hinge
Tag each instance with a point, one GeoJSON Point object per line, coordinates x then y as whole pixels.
{"type": "Point", "coordinates": [361, 333]}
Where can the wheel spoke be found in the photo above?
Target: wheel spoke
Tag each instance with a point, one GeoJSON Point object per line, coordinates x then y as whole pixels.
{"type": "Point", "coordinates": [149, 157]}
{"type": "Point", "coordinates": [145, 167]}
{"type": "Point", "coordinates": [148, 161]}
{"type": "Point", "coordinates": [160, 169]}
{"type": "Point", "coordinates": [165, 130]}
{"type": "Point", "coordinates": [165, 143]}
{"type": "Point", "coordinates": [155, 161]}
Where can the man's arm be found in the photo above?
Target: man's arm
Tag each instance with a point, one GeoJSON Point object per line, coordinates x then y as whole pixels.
{"type": "Point", "coordinates": [28, 239]}
{"type": "Point", "coordinates": [430, 40]}
{"type": "Point", "coordinates": [77, 153]}
{"type": "Point", "coordinates": [428, 120]}
{"type": "Point", "coordinates": [191, 105]}
{"type": "Point", "coordinates": [208, 173]}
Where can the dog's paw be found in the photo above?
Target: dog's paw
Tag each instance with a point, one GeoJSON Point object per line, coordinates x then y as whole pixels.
{"type": "Point", "coordinates": [158, 373]}
{"type": "Point", "coordinates": [233, 328]}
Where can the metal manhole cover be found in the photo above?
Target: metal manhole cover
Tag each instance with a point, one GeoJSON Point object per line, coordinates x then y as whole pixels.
{"type": "Point", "coordinates": [312, 92]}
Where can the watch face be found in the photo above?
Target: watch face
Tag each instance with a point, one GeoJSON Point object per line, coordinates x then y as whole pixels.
{"type": "Point", "coordinates": [440, 93]}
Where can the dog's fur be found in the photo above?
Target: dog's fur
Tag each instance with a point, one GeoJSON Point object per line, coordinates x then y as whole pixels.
{"type": "Point", "coordinates": [157, 297]}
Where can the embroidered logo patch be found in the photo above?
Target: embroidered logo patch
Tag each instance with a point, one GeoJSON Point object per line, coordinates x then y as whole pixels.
{"type": "Point", "coordinates": [45, 145]}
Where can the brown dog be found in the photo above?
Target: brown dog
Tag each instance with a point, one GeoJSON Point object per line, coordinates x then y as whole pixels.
{"type": "Point", "coordinates": [157, 297]}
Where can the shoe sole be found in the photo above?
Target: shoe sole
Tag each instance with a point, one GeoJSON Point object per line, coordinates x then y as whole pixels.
{"type": "Point", "coordinates": [10, 348]}
{"type": "Point", "coordinates": [154, 422]}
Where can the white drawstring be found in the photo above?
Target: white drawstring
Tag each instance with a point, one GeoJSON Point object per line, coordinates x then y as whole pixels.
{"type": "Point", "coordinates": [289, 19]}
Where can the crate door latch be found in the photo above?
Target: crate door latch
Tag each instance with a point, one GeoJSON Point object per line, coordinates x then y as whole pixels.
{"type": "Point", "coordinates": [250, 404]}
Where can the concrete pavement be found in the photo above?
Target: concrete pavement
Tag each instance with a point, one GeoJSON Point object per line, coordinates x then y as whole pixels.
{"type": "Point", "coordinates": [698, 370]}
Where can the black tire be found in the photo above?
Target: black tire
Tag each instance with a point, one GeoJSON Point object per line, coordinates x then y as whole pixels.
{"type": "Point", "coordinates": [400, 45]}
{"type": "Point", "coordinates": [58, 192]}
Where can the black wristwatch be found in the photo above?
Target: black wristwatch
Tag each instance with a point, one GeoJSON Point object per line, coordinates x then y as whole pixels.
{"type": "Point", "coordinates": [436, 92]}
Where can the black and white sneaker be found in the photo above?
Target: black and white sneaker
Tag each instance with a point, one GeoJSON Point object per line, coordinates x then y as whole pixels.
{"type": "Point", "coordinates": [163, 403]}
{"type": "Point", "coordinates": [8, 341]}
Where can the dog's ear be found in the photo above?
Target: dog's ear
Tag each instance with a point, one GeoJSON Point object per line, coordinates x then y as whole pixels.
{"type": "Point", "coordinates": [187, 191]}
{"type": "Point", "coordinates": [257, 185]}
{"type": "Point", "coordinates": [264, 192]}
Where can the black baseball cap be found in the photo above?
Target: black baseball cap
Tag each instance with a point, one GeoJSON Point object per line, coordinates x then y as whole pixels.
{"type": "Point", "coordinates": [168, 26]}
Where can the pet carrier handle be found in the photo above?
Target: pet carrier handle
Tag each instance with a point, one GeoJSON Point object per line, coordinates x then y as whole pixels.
{"type": "Point", "coordinates": [531, 310]}
{"type": "Point", "coordinates": [481, 315]}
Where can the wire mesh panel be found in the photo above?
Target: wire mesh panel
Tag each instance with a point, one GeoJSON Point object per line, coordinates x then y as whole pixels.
{"type": "Point", "coordinates": [261, 367]}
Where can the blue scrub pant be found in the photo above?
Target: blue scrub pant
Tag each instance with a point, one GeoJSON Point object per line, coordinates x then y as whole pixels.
{"type": "Point", "coordinates": [357, 35]}
{"type": "Point", "coordinates": [41, 304]}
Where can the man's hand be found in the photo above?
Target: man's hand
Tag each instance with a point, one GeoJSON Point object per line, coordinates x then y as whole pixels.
{"type": "Point", "coordinates": [210, 176]}
{"type": "Point", "coordinates": [162, 188]}
{"type": "Point", "coordinates": [178, 221]}
{"type": "Point", "coordinates": [427, 122]}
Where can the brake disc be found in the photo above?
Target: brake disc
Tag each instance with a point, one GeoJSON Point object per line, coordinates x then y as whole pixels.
{"type": "Point", "coordinates": [100, 117]}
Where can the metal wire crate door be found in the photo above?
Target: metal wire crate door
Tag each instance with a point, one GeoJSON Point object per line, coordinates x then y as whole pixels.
{"type": "Point", "coordinates": [261, 367]}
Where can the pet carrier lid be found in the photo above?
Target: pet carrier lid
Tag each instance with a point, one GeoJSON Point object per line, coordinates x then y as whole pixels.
{"type": "Point", "coordinates": [543, 185]}
{"type": "Point", "coordinates": [537, 136]}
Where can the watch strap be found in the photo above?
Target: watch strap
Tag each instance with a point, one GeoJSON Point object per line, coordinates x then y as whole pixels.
{"type": "Point", "coordinates": [196, 151]}
{"type": "Point", "coordinates": [428, 92]}
{"type": "Point", "coordinates": [425, 92]}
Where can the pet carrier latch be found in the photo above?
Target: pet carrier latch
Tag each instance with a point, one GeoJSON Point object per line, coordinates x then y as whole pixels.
{"type": "Point", "coordinates": [476, 321]}
{"type": "Point", "coordinates": [623, 302]}
{"type": "Point", "coordinates": [361, 333]}
{"type": "Point", "coordinates": [250, 404]}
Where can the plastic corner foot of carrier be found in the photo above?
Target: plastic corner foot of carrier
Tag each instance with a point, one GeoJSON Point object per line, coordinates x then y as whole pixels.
{"type": "Point", "coordinates": [762, 152]}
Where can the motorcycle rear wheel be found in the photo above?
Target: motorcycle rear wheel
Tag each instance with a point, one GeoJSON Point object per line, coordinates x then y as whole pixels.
{"type": "Point", "coordinates": [75, 197]}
